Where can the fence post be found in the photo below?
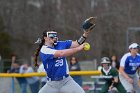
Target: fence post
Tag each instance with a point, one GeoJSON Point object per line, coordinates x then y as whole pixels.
{"type": "Point", "coordinates": [95, 86]}
{"type": "Point", "coordinates": [1, 66]}
{"type": "Point", "coordinates": [13, 85]}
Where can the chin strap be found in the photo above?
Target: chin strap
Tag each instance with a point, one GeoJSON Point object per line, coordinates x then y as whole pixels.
{"type": "Point", "coordinates": [55, 42]}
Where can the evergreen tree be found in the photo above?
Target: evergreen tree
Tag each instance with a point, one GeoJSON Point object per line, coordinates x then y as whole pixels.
{"type": "Point", "coordinates": [5, 50]}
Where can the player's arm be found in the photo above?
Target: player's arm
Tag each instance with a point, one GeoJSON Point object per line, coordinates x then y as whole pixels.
{"type": "Point", "coordinates": [68, 52]}
{"type": "Point", "coordinates": [121, 69]}
{"type": "Point", "coordinates": [87, 26]}
{"type": "Point", "coordinates": [81, 40]}
{"type": "Point", "coordinates": [116, 79]}
{"type": "Point", "coordinates": [115, 75]}
{"type": "Point", "coordinates": [122, 64]}
{"type": "Point", "coordinates": [111, 86]}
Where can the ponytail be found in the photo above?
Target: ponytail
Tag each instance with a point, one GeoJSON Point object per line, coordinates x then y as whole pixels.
{"type": "Point", "coordinates": [37, 52]}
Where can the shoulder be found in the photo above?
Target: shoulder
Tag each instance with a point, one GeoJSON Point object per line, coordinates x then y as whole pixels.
{"type": "Point", "coordinates": [66, 41]}
{"type": "Point", "coordinates": [138, 54]}
{"type": "Point", "coordinates": [64, 44]}
{"type": "Point", "coordinates": [102, 70]}
{"type": "Point", "coordinates": [114, 69]}
{"type": "Point", "coordinates": [47, 50]}
{"type": "Point", "coordinates": [43, 48]}
{"type": "Point", "coordinates": [125, 56]}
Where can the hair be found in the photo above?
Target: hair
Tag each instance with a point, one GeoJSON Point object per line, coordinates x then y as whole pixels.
{"type": "Point", "coordinates": [115, 56]}
{"type": "Point", "coordinates": [40, 46]}
{"type": "Point", "coordinates": [75, 59]}
{"type": "Point", "coordinates": [38, 49]}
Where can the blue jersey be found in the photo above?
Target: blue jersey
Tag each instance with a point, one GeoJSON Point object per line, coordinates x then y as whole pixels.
{"type": "Point", "coordinates": [55, 67]}
{"type": "Point", "coordinates": [130, 63]}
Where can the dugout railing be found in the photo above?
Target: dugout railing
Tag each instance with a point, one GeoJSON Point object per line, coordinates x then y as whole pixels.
{"type": "Point", "coordinates": [11, 77]}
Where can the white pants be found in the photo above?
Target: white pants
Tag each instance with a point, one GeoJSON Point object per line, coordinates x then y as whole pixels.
{"type": "Point", "coordinates": [128, 86]}
{"type": "Point", "coordinates": [67, 85]}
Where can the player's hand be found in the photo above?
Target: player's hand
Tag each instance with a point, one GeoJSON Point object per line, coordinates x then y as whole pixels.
{"type": "Point", "coordinates": [130, 80]}
{"type": "Point", "coordinates": [86, 33]}
{"type": "Point", "coordinates": [110, 88]}
{"type": "Point", "coordinates": [81, 47]}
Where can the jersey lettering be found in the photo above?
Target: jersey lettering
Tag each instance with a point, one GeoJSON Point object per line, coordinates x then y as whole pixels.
{"type": "Point", "coordinates": [59, 63]}
{"type": "Point", "coordinates": [134, 68]}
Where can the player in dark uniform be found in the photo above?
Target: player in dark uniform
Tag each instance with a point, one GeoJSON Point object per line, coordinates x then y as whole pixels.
{"type": "Point", "coordinates": [110, 75]}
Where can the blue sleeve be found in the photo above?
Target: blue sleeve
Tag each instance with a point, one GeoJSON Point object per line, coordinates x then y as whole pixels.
{"type": "Point", "coordinates": [44, 57]}
{"type": "Point", "coordinates": [47, 53]}
{"type": "Point", "coordinates": [68, 43]}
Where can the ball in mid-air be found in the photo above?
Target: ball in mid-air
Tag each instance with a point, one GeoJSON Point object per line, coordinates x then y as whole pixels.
{"type": "Point", "coordinates": [87, 46]}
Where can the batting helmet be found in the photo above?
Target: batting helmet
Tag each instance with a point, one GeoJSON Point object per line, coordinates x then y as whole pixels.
{"type": "Point", "coordinates": [105, 60]}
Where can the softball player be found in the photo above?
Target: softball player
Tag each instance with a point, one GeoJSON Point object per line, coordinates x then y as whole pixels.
{"type": "Point", "coordinates": [128, 66]}
{"type": "Point", "coordinates": [53, 54]}
{"type": "Point", "coordinates": [111, 77]}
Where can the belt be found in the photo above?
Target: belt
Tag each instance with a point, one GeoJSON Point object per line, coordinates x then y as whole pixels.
{"type": "Point", "coordinates": [57, 78]}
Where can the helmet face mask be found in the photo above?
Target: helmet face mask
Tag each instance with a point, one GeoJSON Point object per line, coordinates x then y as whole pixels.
{"type": "Point", "coordinates": [52, 35]}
